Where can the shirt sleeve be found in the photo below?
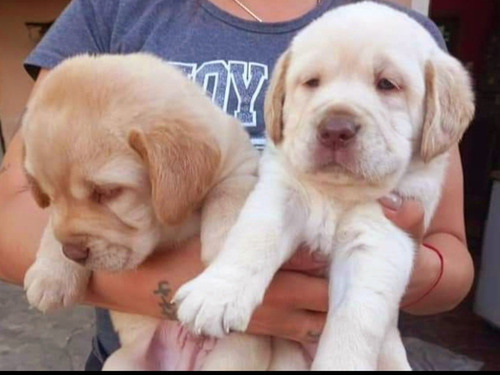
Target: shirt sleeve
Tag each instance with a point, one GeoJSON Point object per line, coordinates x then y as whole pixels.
{"type": "Point", "coordinates": [83, 27]}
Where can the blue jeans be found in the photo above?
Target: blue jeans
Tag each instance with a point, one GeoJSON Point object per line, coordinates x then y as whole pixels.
{"type": "Point", "coordinates": [105, 341]}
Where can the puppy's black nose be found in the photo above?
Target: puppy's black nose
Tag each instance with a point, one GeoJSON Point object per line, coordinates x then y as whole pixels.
{"type": "Point", "coordinates": [337, 131]}
{"type": "Point", "coordinates": [77, 253]}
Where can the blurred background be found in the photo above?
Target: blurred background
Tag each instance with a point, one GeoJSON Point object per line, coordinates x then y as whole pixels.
{"type": "Point", "coordinates": [466, 338]}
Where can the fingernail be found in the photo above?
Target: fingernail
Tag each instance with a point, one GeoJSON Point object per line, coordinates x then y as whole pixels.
{"type": "Point", "coordinates": [392, 201]}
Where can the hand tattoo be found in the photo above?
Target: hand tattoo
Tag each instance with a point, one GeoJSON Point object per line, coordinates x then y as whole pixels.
{"type": "Point", "coordinates": [168, 309]}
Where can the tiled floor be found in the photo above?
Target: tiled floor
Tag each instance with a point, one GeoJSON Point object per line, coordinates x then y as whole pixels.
{"type": "Point", "coordinates": [32, 341]}
{"type": "Point", "coordinates": [460, 331]}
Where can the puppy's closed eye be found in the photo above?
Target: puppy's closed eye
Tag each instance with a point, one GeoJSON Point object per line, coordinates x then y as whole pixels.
{"type": "Point", "coordinates": [312, 82]}
{"type": "Point", "coordinates": [106, 193]}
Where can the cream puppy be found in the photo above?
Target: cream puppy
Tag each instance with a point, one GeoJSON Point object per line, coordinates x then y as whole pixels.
{"type": "Point", "coordinates": [129, 156]}
{"type": "Point", "coordinates": [363, 103]}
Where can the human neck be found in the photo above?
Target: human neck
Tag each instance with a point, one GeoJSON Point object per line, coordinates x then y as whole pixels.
{"type": "Point", "coordinates": [268, 11]}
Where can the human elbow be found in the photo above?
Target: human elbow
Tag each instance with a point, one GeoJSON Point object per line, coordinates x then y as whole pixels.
{"type": "Point", "coordinates": [463, 280]}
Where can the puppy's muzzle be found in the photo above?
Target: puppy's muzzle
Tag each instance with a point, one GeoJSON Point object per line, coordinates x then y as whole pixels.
{"type": "Point", "coordinates": [76, 252]}
{"type": "Point", "coordinates": [337, 131]}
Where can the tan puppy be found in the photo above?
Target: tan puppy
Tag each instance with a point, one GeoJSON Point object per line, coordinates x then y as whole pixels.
{"type": "Point", "coordinates": [363, 103]}
{"type": "Point", "coordinates": [128, 155]}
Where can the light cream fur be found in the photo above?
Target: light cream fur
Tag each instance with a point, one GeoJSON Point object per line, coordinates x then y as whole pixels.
{"type": "Point", "coordinates": [129, 156]}
{"type": "Point", "coordinates": [326, 198]}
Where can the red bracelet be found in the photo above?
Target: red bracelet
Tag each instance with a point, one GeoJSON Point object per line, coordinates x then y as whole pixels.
{"type": "Point", "coordinates": [438, 279]}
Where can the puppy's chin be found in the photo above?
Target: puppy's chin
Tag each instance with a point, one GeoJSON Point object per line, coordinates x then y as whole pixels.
{"type": "Point", "coordinates": [337, 161]}
{"type": "Point", "coordinates": [111, 258]}
{"type": "Point", "coordinates": [347, 166]}
{"type": "Point", "coordinates": [114, 258]}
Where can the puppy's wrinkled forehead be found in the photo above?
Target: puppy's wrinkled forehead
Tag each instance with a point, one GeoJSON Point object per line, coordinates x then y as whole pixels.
{"type": "Point", "coordinates": [358, 33]}
{"type": "Point", "coordinates": [67, 126]}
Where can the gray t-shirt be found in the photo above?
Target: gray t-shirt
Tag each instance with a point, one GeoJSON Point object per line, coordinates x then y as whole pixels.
{"type": "Point", "coordinates": [230, 57]}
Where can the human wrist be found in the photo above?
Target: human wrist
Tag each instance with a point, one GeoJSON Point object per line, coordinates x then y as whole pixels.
{"type": "Point", "coordinates": [427, 273]}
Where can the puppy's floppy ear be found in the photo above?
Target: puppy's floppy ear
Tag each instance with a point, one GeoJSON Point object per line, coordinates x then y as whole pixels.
{"type": "Point", "coordinates": [182, 162]}
{"type": "Point", "coordinates": [275, 97]}
{"type": "Point", "coordinates": [41, 198]}
{"type": "Point", "coordinates": [449, 105]}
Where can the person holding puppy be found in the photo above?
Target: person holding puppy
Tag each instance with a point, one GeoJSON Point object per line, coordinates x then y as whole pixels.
{"type": "Point", "coordinates": [230, 48]}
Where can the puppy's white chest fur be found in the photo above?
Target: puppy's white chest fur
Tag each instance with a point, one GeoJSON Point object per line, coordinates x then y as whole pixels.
{"type": "Point", "coordinates": [328, 222]}
{"type": "Point", "coordinates": [321, 227]}
{"type": "Point", "coordinates": [325, 223]}
{"type": "Point", "coordinates": [323, 219]}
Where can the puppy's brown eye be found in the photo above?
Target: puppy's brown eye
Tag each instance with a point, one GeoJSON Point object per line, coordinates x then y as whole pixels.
{"type": "Point", "coordinates": [385, 85]}
{"type": "Point", "coordinates": [312, 83]}
{"type": "Point", "coordinates": [103, 194]}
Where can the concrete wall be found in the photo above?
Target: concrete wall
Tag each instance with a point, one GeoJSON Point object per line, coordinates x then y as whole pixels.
{"type": "Point", "coordinates": [15, 45]}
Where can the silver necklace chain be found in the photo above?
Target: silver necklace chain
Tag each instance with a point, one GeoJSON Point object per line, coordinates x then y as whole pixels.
{"type": "Point", "coordinates": [257, 18]}
{"type": "Point", "coordinates": [246, 9]}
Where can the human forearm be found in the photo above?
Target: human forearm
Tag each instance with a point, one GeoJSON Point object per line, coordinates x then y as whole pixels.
{"type": "Point", "coordinates": [153, 284]}
{"type": "Point", "coordinates": [446, 234]}
{"type": "Point", "coordinates": [18, 244]}
{"type": "Point", "coordinates": [454, 283]}
{"type": "Point", "coordinates": [21, 220]}
{"type": "Point", "coordinates": [294, 306]}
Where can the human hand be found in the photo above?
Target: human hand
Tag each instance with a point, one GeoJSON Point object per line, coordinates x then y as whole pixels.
{"type": "Point", "coordinates": [288, 310]}
{"type": "Point", "coordinates": [296, 302]}
{"type": "Point", "coordinates": [407, 214]}
{"type": "Point", "coordinates": [294, 306]}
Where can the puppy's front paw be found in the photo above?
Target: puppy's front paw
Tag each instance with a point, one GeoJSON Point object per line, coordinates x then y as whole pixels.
{"type": "Point", "coordinates": [216, 305]}
{"type": "Point", "coordinates": [50, 285]}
